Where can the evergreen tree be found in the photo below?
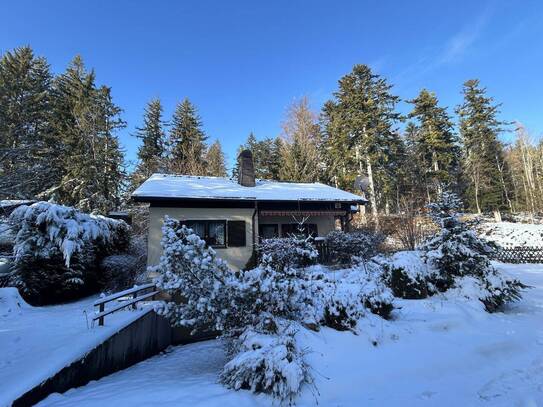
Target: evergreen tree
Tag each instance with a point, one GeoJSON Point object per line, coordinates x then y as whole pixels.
{"type": "Point", "coordinates": [433, 143]}
{"type": "Point", "coordinates": [26, 144]}
{"type": "Point", "coordinates": [359, 133]}
{"type": "Point", "coordinates": [300, 156]}
{"type": "Point", "coordinates": [85, 121]}
{"type": "Point", "coordinates": [187, 141]}
{"type": "Point", "coordinates": [151, 152]}
{"type": "Point", "coordinates": [216, 165]}
{"type": "Point", "coordinates": [265, 157]}
{"type": "Point", "coordinates": [485, 170]}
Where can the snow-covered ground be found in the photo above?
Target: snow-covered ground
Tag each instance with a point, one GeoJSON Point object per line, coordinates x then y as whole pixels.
{"type": "Point", "coordinates": [441, 351]}
{"type": "Point", "coordinates": [507, 234]}
{"type": "Point", "coordinates": [36, 342]}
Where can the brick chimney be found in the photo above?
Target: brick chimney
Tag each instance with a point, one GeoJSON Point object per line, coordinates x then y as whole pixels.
{"type": "Point", "coordinates": [246, 175]}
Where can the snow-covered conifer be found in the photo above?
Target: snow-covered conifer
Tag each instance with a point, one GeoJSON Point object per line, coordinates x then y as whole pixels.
{"type": "Point", "coordinates": [456, 252]}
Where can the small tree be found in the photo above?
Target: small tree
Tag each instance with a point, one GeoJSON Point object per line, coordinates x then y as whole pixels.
{"type": "Point", "coordinates": [457, 252]}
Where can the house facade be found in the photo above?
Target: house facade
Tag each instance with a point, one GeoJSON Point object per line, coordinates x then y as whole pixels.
{"type": "Point", "coordinates": [233, 216]}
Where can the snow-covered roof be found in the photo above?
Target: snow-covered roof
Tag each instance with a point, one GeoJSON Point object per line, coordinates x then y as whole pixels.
{"type": "Point", "coordinates": [197, 187]}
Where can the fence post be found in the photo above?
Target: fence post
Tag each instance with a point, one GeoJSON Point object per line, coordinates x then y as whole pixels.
{"type": "Point", "coordinates": [101, 319]}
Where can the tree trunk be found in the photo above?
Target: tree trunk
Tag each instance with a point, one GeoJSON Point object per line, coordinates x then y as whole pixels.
{"type": "Point", "coordinates": [373, 200]}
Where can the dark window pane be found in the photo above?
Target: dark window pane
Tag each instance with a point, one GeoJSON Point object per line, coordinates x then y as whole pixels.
{"type": "Point", "coordinates": [236, 233]}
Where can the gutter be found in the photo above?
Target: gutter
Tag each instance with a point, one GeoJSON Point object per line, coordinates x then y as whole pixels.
{"type": "Point", "coordinates": [253, 224]}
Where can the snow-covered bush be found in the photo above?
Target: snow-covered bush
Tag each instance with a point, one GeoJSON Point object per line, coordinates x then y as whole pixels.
{"type": "Point", "coordinates": [456, 252]}
{"type": "Point", "coordinates": [255, 310]}
{"type": "Point", "coordinates": [121, 271]}
{"type": "Point", "coordinates": [287, 252]}
{"type": "Point", "coordinates": [245, 306]}
{"type": "Point", "coordinates": [191, 271]}
{"type": "Point", "coordinates": [407, 274]}
{"type": "Point", "coordinates": [268, 361]}
{"type": "Point", "coordinates": [343, 247]}
{"type": "Point", "coordinates": [57, 250]}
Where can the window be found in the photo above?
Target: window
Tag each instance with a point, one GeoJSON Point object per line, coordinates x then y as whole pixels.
{"type": "Point", "coordinates": [236, 233]}
{"type": "Point", "coordinates": [307, 229]}
{"type": "Point", "coordinates": [212, 231]}
{"type": "Point", "coordinates": [268, 231]}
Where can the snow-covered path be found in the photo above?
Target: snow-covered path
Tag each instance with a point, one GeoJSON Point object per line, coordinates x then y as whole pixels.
{"type": "Point", "coordinates": [436, 352]}
{"type": "Point", "coordinates": [36, 342]}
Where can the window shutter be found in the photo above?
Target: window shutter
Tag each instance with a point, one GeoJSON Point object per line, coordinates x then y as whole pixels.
{"type": "Point", "coordinates": [236, 233]}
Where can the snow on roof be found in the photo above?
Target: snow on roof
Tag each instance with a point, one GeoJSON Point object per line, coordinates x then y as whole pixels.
{"type": "Point", "coordinates": [197, 187]}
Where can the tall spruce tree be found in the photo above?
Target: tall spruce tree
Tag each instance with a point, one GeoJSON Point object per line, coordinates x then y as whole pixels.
{"type": "Point", "coordinates": [484, 168]}
{"type": "Point", "coordinates": [433, 144]}
{"type": "Point", "coordinates": [300, 155]}
{"type": "Point", "coordinates": [360, 135]}
{"type": "Point", "coordinates": [187, 141]}
{"type": "Point", "coordinates": [27, 147]}
{"type": "Point", "coordinates": [151, 153]}
{"type": "Point", "coordinates": [216, 164]}
{"type": "Point", "coordinates": [85, 121]}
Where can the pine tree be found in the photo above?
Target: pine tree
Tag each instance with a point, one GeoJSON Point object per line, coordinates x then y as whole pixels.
{"type": "Point", "coordinates": [359, 133]}
{"type": "Point", "coordinates": [187, 141]}
{"type": "Point", "coordinates": [485, 170]}
{"type": "Point", "coordinates": [85, 120]}
{"type": "Point", "coordinates": [300, 156]}
{"type": "Point", "coordinates": [216, 165]}
{"type": "Point", "coordinates": [27, 148]}
{"type": "Point", "coordinates": [151, 152]}
{"type": "Point", "coordinates": [433, 143]}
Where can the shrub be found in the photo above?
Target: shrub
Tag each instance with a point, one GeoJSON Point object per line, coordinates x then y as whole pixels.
{"type": "Point", "coordinates": [408, 275]}
{"type": "Point", "coordinates": [267, 362]}
{"type": "Point", "coordinates": [343, 247]}
{"type": "Point", "coordinates": [456, 252]}
{"type": "Point", "coordinates": [58, 249]}
{"type": "Point", "coordinates": [289, 252]}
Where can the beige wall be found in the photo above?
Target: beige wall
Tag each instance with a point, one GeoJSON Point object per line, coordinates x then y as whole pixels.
{"type": "Point", "coordinates": [236, 257]}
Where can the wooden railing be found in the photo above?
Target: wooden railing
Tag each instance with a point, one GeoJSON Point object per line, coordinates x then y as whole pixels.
{"type": "Point", "coordinates": [520, 254]}
{"type": "Point", "coordinates": [138, 293]}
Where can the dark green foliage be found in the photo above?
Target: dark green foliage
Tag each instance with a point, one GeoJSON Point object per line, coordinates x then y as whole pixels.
{"type": "Point", "coordinates": [216, 165]}
{"type": "Point", "coordinates": [187, 141]}
{"type": "Point", "coordinates": [484, 168]}
{"type": "Point", "coordinates": [403, 286]}
{"type": "Point", "coordinates": [27, 144]}
{"type": "Point", "coordinates": [360, 137]}
{"type": "Point", "coordinates": [151, 153]}
{"type": "Point", "coordinates": [432, 145]}
{"type": "Point", "coordinates": [266, 156]}
{"type": "Point", "coordinates": [340, 317]}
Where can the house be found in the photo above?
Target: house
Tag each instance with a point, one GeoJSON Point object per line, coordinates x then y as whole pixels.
{"type": "Point", "coordinates": [233, 215]}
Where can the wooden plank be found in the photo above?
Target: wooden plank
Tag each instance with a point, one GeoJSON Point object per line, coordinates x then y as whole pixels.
{"type": "Point", "coordinates": [123, 293]}
{"type": "Point", "coordinates": [123, 304]}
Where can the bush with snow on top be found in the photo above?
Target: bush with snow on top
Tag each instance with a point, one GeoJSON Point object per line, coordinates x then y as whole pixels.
{"type": "Point", "coordinates": [456, 252]}
{"type": "Point", "coordinates": [58, 248]}
{"type": "Point", "coordinates": [345, 247]}
{"type": "Point", "coordinates": [287, 252]}
{"type": "Point", "coordinates": [267, 362]}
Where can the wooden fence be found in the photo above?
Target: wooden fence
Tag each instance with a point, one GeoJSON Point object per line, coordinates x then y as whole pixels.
{"type": "Point", "coordinates": [132, 295]}
{"type": "Point", "coordinates": [517, 255]}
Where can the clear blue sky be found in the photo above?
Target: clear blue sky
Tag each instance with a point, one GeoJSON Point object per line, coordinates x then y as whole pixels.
{"type": "Point", "coordinates": [242, 63]}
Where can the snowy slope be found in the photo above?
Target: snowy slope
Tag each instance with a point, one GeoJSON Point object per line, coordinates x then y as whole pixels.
{"type": "Point", "coordinates": [36, 342]}
{"type": "Point", "coordinates": [508, 234]}
{"type": "Point", "coordinates": [442, 351]}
